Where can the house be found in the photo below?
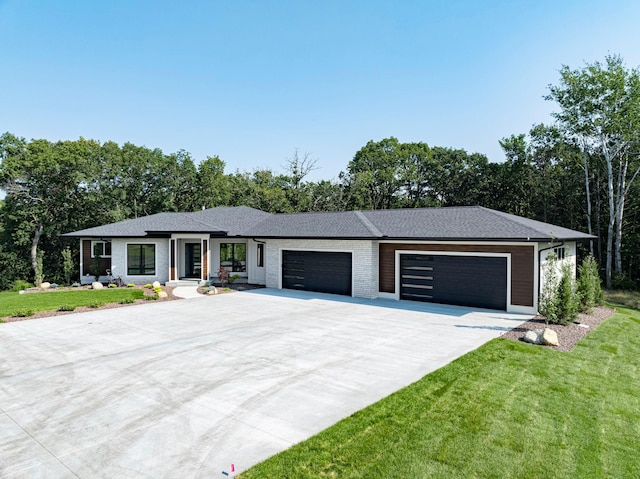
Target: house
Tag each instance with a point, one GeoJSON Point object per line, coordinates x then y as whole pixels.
{"type": "Point", "coordinates": [470, 256]}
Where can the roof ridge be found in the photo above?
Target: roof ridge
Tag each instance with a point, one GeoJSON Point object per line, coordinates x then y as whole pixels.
{"type": "Point", "coordinates": [368, 224]}
{"type": "Point", "coordinates": [515, 219]}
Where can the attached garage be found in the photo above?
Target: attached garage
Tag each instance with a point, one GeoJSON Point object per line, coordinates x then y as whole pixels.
{"type": "Point", "coordinates": [320, 271]}
{"type": "Point", "coordinates": [476, 281]}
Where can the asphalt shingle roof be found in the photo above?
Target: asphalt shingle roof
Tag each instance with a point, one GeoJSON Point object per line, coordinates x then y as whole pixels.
{"type": "Point", "coordinates": [452, 223]}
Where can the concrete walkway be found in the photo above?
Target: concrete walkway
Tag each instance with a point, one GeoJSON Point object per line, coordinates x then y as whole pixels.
{"type": "Point", "coordinates": [182, 389]}
{"type": "Point", "coordinates": [187, 292]}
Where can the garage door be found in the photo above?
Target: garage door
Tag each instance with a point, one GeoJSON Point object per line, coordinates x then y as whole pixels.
{"type": "Point", "coordinates": [324, 272]}
{"type": "Point", "coordinates": [476, 281]}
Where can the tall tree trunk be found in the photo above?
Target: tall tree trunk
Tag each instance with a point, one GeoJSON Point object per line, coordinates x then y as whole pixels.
{"type": "Point", "coordinates": [585, 160]}
{"type": "Point", "coordinates": [34, 247]}
{"type": "Point", "coordinates": [612, 212]}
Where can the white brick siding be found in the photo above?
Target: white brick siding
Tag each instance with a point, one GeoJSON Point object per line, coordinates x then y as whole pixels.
{"type": "Point", "coordinates": [119, 259]}
{"type": "Point", "coordinates": [364, 257]}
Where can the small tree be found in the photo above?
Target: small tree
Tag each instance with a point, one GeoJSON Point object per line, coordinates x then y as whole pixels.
{"type": "Point", "coordinates": [95, 267]}
{"type": "Point", "coordinates": [67, 264]}
{"type": "Point", "coordinates": [588, 286]}
{"type": "Point", "coordinates": [38, 276]}
{"type": "Point", "coordinates": [567, 303]}
{"type": "Point", "coordinates": [548, 301]}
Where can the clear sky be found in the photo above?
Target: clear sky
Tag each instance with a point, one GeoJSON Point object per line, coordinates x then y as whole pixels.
{"type": "Point", "coordinates": [251, 81]}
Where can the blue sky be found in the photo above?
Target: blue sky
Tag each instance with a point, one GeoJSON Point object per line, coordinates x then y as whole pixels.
{"type": "Point", "coordinates": [251, 81]}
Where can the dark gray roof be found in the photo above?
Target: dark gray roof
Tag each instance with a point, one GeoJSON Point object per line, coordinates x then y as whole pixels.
{"type": "Point", "coordinates": [453, 223]}
{"type": "Point", "coordinates": [229, 220]}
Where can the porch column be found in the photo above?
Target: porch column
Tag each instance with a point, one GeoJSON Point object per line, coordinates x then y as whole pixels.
{"type": "Point", "coordinates": [173, 274]}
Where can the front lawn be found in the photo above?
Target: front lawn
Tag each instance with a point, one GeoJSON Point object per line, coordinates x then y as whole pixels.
{"type": "Point", "coordinates": [505, 410]}
{"type": "Point", "coordinates": [11, 302]}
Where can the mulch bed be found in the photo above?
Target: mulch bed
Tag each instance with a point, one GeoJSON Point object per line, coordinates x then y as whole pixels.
{"type": "Point", "coordinates": [568, 335]}
{"type": "Point", "coordinates": [83, 309]}
{"type": "Point", "coordinates": [230, 288]}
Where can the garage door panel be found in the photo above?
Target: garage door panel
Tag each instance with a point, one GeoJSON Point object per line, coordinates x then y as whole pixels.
{"type": "Point", "coordinates": [326, 272]}
{"type": "Point", "coordinates": [462, 280]}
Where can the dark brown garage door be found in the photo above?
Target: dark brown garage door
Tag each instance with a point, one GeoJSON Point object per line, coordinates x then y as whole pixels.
{"type": "Point", "coordinates": [324, 272]}
{"type": "Point", "coordinates": [476, 281]}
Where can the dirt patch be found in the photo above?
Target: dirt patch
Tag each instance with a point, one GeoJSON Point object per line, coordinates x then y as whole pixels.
{"type": "Point", "coordinates": [568, 335]}
{"type": "Point", "coordinates": [83, 309]}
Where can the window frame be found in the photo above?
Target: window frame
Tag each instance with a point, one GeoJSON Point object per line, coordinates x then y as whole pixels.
{"type": "Point", "coordinates": [155, 259]}
{"type": "Point", "coordinates": [234, 260]}
{"type": "Point", "coordinates": [104, 244]}
{"type": "Point", "coordinates": [260, 254]}
{"type": "Point", "coordinates": [560, 252]}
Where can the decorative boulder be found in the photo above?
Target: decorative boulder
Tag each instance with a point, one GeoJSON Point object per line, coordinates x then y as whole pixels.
{"type": "Point", "coordinates": [162, 294]}
{"type": "Point", "coordinates": [45, 285]}
{"type": "Point", "coordinates": [96, 285]}
{"type": "Point", "coordinates": [550, 337]}
{"type": "Point", "coordinates": [533, 336]}
{"type": "Point", "coordinates": [156, 284]}
{"type": "Point", "coordinates": [212, 290]}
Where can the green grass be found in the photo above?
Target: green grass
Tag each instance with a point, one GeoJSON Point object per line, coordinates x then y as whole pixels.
{"type": "Point", "coordinates": [630, 299]}
{"type": "Point", "coordinates": [11, 302]}
{"type": "Point", "coordinates": [505, 410]}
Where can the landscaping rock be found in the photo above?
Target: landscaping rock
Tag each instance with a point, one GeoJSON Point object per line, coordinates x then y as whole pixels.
{"type": "Point", "coordinates": [533, 336]}
{"type": "Point", "coordinates": [163, 294]}
{"type": "Point", "coordinates": [45, 285]}
{"type": "Point", "coordinates": [96, 285]}
{"type": "Point", "coordinates": [212, 290]}
{"type": "Point", "coordinates": [549, 337]}
{"type": "Point", "coordinates": [155, 284]}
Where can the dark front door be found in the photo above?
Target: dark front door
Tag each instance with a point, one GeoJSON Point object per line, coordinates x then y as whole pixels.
{"type": "Point", "coordinates": [193, 260]}
{"type": "Point", "coordinates": [324, 272]}
{"type": "Point", "coordinates": [476, 281]}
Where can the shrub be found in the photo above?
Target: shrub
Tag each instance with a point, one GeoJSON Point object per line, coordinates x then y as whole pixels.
{"type": "Point", "coordinates": [567, 302]}
{"type": "Point", "coordinates": [111, 285]}
{"type": "Point", "coordinates": [67, 264]}
{"type": "Point", "coordinates": [39, 274]}
{"type": "Point", "coordinates": [23, 313]}
{"type": "Point", "coordinates": [131, 285]}
{"type": "Point", "coordinates": [148, 286]}
{"type": "Point", "coordinates": [588, 285]}
{"type": "Point", "coordinates": [19, 285]}
{"type": "Point", "coordinates": [53, 285]}
{"type": "Point", "coordinates": [547, 303]}
{"type": "Point", "coordinates": [623, 283]}
{"type": "Point", "coordinates": [150, 297]}
{"type": "Point", "coordinates": [96, 304]}
{"type": "Point", "coordinates": [66, 307]}
{"type": "Point", "coordinates": [157, 289]}
{"type": "Point", "coordinates": [128, 301]}
{"type": "Point", "coordinates": [76, 285]}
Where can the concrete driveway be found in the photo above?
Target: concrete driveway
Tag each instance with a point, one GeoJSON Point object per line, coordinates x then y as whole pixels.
{"type": "Point", "coordinates": [185, 388]}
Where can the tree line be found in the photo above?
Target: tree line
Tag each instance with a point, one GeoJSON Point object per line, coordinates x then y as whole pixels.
{"type": "Point", "coordinates": [579, 172]}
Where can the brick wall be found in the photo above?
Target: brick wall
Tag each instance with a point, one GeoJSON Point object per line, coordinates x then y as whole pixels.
{"type": "Point", "coordinates": [364, 256]}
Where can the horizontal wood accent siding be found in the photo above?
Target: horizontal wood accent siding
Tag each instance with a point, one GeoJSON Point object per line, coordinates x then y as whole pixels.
{"type": "Point", "coordinates": [173, 276]}
{"type": "Point", "coordinates": [87, 260]}
{"type": "Point", "coordinates": [522, 264]}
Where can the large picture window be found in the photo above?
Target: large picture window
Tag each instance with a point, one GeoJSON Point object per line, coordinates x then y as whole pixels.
{"type": "Point", "coordinates": [233, 257]}
{"type": "Point", "coordinates": [141, 259]}
{"type": "Point", "coordinates": [101, 248]}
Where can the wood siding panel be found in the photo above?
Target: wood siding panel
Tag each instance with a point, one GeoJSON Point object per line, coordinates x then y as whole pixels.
{"type": "Point", "coordinates": [522, 265]}
{"type": "Point", "coordinates": [205, 259]}
{"type": "Point", "coordinates": [173, 276]}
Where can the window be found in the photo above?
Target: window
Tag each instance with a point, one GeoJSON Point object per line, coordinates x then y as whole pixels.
{"type": "Point", "coordinates": [559, 252]}
{"type": "Point", "coordinates": [101, 248]}
{"type": "Point", "coordinates": [141, 259]}
{"type": "Point", "coordinates": [260, 255]}
{"type": "Point", "coordinates": [233, 257]}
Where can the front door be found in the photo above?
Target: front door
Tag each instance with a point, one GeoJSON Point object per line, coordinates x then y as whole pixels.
{"type": "Point", "coordinates": [193, 260]}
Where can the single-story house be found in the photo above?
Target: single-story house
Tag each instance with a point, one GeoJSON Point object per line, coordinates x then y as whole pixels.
{"type": "Point", "coordinates": [470, 256]}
